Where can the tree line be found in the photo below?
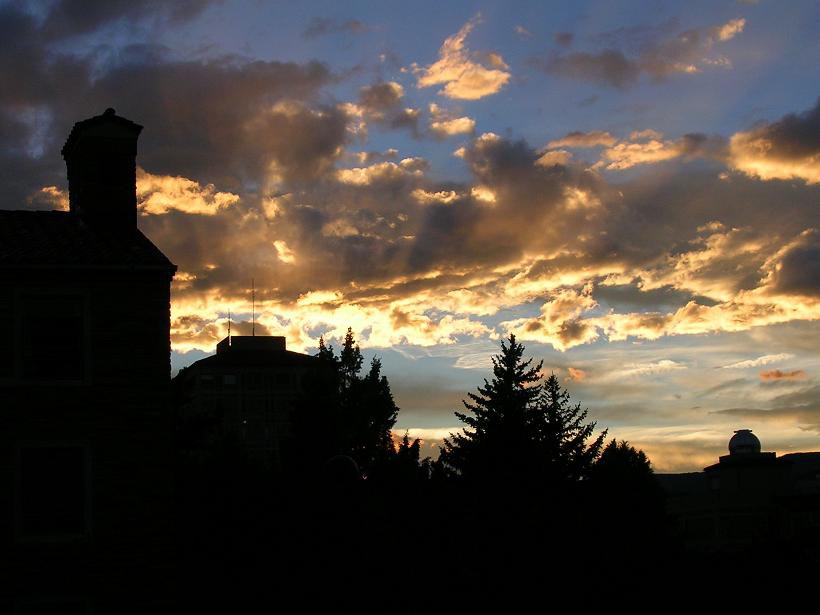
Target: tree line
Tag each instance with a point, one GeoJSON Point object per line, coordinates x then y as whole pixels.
{"type": "Point", "coordinates": [517, 426]}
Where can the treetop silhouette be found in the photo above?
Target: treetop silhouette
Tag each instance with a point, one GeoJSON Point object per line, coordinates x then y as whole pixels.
{"type": "Point", "coordinates": [518, 427]}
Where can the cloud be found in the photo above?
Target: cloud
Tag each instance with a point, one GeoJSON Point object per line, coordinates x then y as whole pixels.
{"type": "Point", "coordinates": [381, 96]}
{"type": "Point", "coordinates": [455, 126]}
{"type": "Point", "coordinates": [279, 188]}
{"type": "Point", "coordinates": [762, 360]}
{"type": "Point", "coordinates": [594, 138]}
{"type": "Point", "coordinates": [48, 198]}
{"type": "Point", "coordinates": [627, 155]}
{"type": "Point", "coordinates": [788, 148]}
{"type": "Point", "coordinates": [522, 32]}
{"type": "Point", "coordinates": [776, 375]}
{"type": "Point", "coordinates": [555, 157]}
{"type": "Point", "coordinates": [459, 71]}
{"type": "Point", "coordinates": [801, 407]}
{"type": "Point", "coordinates": [638, 370]}
{"type": "Point", "coordinates": [445, 123]}
{"type": "Point", "coordinates": [730, 29]}
{"type": "Point", "coordinates": [324, 26]}
{"type": "Point", "coordinates": [795, 270]}
{"type": "Point", "coordinates": [381, 172]}
{"type": "Point", "coordinates": [576, 374]}
{"type": "Point", "coordinates": [657, 52]}
{"type": "Point", "coordinates": [649, 147]}
{"type": "Point", "coordinates": [160, 194]}
{"type": "Point", "coordinates": [75, 17]}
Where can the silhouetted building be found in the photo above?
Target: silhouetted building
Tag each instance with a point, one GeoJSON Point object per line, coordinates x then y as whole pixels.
{"type": "Point", "coordinates": [748, 497]}
{"type": "Point", "coordinates": [85, 424]}
{"type": "Point", "coordinates": [245, 394]}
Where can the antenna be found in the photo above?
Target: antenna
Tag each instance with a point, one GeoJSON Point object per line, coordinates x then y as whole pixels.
{"type": "Point", "coordinates": [253, 304]}
{"type": "Point", "coordinates": [229, 326]}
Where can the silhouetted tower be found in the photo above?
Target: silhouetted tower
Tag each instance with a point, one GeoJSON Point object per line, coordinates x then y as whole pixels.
{"type": "Point", "coordinates": [86, 428]}
{"type": "Point", "coordinates": [100, 155]}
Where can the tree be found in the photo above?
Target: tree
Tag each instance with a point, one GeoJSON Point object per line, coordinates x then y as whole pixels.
{"type": "Point", "coordinates": [621, 463]}
{"type": "Point", "coordinates": [344, 412]}
{"type": "Point", "coordinates": [628, 495]}
{"type": "Point", "coordinates": [563, 436]}
{"type": "Point", "coordinates": [497, 440]}
{"type": "Point", "coordinates": [517, 426]}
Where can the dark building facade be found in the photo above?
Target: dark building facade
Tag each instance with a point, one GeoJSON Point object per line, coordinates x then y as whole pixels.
{"type": "Point", "coordinates": [748, 498]}
{"type": "Point", "coordinates": [86, 431]}
{"type": "Point", "coordinates": [245, 393]}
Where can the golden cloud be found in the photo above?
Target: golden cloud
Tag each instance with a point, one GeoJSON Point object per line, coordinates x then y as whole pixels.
{"type": "Point", "coordinates": [595, 138]}
{"type": "Point", "coordinates": [460, 74]}
{"type": "Point", "coordinates": [159, 194]}
{"type": "Point", "coordinates": [754, 154]}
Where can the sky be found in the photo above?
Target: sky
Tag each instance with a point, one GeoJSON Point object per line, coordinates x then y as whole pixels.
{"type": "Point", "coordinates": [631, 188]}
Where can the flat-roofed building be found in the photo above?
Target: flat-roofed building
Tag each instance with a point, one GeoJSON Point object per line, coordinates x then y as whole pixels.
{"type": "Point", "coordinates": [246, 393]}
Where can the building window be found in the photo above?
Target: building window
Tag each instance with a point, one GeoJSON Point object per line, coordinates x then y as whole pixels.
{"type": "Point", "coordinates": [207, 381]}
{"type": "Point", "coordinates": [53, 492]}
{"type": "Point", "coordinates": [229, 379]}
{"type": "Point", "coordinates": [53, 337]}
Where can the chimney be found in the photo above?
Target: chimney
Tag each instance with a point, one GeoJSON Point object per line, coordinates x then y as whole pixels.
{"type": "Point", "coordinates": [100, 156]}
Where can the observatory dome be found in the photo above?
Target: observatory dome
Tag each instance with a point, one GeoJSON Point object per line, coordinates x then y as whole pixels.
{"type": "Point", "coordinates": [744, 442]}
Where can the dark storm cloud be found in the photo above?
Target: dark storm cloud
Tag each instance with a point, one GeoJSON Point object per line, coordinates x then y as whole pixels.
{"type": "Point", "coordinates": [72, 17]}
{"type": "Point", "coordinates": [655, 51]}
{"type": "Point", "coordinates": [217, 121]}
{"type": "Point", "coordinates": [794, 136]}
{"type": "Point", "coordinates": [788, 148]}
{"type": "Point", "coordinates": [322, 26]}
{"type": "Point", "coordinates": [608, 67]}
{"type": "Point", "coordinates": [382, 104]}
{"type": "Point", "coordinates": [799, 271]}
{"type": "Point", "coordinates": [381, 96]}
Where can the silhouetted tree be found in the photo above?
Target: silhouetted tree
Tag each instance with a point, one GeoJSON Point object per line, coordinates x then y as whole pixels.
{"type": "Point", "coordinates": [404, 463]}
{"type": "Point", "coordinates": [344, 412]}
{"type": "Point", "coordinates": [622, 463]}
{"type": "Point", "coordinates": [498, 437]}
{"type": "Point", "coordinates": [629, 496]}
{"type": "Point", "coordinates": [566, 453]}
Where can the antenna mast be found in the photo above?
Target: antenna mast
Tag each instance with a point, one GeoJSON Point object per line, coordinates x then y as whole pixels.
{"type": "Point", "coordinates": [229, 326]}
{"type": "Point", "coordinates": [253, 308]}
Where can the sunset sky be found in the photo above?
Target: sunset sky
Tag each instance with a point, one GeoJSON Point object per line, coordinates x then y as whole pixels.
{"type": "Point", "coordinates": [632, 188]}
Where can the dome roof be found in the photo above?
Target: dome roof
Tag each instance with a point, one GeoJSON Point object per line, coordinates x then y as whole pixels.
{"type": "Point", "coordinates": [744, 442]}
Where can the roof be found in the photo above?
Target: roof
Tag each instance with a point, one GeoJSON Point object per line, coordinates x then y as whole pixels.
{"type": "Point", "coordinates": [256, 359]}
{"type": "Point", "coordinates": [60, 239]}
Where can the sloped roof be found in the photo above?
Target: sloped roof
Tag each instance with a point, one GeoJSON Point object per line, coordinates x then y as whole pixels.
{"type": "Point", "coordinates": [60, 239]}
{"type": "Point", "coordinates": [256, 359]}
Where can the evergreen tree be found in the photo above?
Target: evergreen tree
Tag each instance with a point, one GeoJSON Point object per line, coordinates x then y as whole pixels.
{"type": "Point", "coordinates": [497, 440]}
{"type": "Point", "coordinates": [629, 496]}
{"type": "Point", "coordinates": [566, 454]}
{"type": "Point", "coordinates": [345, 412]}
{"type": "Point", "coordinates": [622, 463]}
{"type": "Point", "coordinates": [371, 408]}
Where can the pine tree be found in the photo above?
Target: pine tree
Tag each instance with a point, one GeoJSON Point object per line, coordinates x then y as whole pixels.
{"type": "Point", "coordinates": [372, 409]}
{"type": "Point", "coordinates": [621, 464]}
{"type": "Point", "coordinates": [345, 412]}
{"type": "Point", "coordinates": [350, 360]}
{"type": "Point", "coordinates": [497, 438]}
{"type": "Point", "coordinates": [566, 454]}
